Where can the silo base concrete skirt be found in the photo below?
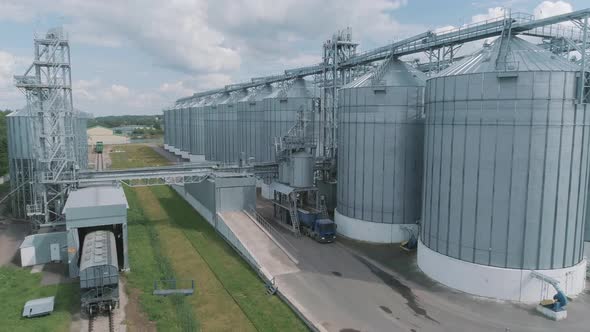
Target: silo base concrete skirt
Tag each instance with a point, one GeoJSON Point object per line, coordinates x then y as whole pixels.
{"type": "Point", "coordinates": [587, 250]}
{"type": "Point", "coordinates": [498, 283]}
{"type": "Point", "coordinates": [166, 147]}
{"type": "Point", "coordinates": [374, 232]}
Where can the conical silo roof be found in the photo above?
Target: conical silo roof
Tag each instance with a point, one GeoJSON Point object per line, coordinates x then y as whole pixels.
{"type": "Point", "coordinates": [520, 56]}
{"type": "Point", "coordinates": [394, 72]}
{"type": "Point", "coordinates": [299, 88]}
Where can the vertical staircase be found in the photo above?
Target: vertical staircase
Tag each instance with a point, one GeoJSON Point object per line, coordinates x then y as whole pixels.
{"type": "Point", "coordinates": [293, 214]}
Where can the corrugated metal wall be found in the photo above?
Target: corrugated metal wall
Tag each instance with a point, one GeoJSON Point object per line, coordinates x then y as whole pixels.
{"type": "Point", "coordinates": [251, 124]}
{"type": "Point", "coordinates": [506, 169]}
{"type": "Point", "coordinates": [185, 128]}
{"type": "Point", "coordinates": [380, 139]}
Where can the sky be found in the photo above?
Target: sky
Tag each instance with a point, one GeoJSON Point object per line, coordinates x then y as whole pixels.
{"type": "Point", "coordinates": [137, 57]}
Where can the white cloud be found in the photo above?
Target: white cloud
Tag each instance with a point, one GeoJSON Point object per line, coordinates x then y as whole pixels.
{"type": "Point", "coordinates": [10, 65]}
{"type": "Point", "coordinates": [15, 12]}
{"type": "Point", "coordinates": [201, 37]}
{"type": "Point", "coordinates": [552, 8]}
{"type": "Point", "coordinates": [492, 13]}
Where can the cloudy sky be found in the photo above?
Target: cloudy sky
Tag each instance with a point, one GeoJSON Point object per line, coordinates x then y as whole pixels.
{"type": "Point", "coordinates": [135, 57]}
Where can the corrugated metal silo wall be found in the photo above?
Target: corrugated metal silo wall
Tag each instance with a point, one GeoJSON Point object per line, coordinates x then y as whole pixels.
{"type": "Point", "coordinates": [380, 144]}
{"type": "Point", "coordinates": [250, 128]}
{"type": "Point", "coordinates": [226, 137]}
{"type": "Point", "coordinates": [506, 168]}
{"type": "Point", "coordinates": [165, 127]}
{"type": "Point", "coordinates": [200, 128]}
{"type": "Point", "coordinates": [172, 126]}
{"type": "Point", "coordinates": [280, 114]}
{"type": "Point", "coordinates": [21, 161]}
{"type": "Point", "coordinates": [178, 128]}
{"type": "Point", "coordinates": [185, 126]}
{"type": "Point", "coordinates": [211, 131]}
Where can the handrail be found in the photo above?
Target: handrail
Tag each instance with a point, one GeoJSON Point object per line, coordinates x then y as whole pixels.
{"type": "Point", "coordinates": [260, 221]}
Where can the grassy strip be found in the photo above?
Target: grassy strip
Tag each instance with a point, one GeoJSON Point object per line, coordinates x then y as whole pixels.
{"type": "Point", "coordinates": [148, 264]}
{"type": "Point", "coordinates": [134, 156]}
{"type": "Point", "coordinates": [18, 285]}
{"type": "Point", "coordinates": [212, 304]}
{"type": "Point", "coordinates": [267, 313]}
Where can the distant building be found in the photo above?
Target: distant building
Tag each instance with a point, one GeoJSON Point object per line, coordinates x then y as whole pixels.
{"type": "Point", "coordinates": [128, 130]}
{"type": "Point", "coordinates": [104, 135]}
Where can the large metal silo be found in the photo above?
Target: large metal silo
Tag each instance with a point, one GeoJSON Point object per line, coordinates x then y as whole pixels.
{"type": "Point", "coordinates": [228, 145]}
{"type": "Point", "coordinates": [380, 139]}
{"type": "Point", "coordinates": [164, 127]}
{"type": "Point", "coordinates": [280, 112]}
{"type": "Point", "coordinates": [251, 123]}
{"type": "Point", "coordinates": [185, 130]}
{"type": "Point", "coordinates": [177, 111]}
{"type": "Point", "coordinates": [197, 129]}
{"type": "Point", "coordinates": [21, 159]}
{"type": "Point", "coordinates": [505, 174]}
{"type": "Point", "coordinates": [213, 126]}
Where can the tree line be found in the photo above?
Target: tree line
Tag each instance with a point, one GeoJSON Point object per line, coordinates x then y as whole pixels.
{"type": "Point", "coordinates": [113, 121]}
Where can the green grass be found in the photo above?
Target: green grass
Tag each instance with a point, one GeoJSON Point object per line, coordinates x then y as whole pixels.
{"type": "Point", "coordinates": [267, 313]}
{"type": "Point", "coordinates": [17, 286]}
{"type": "Point", "coordinates": [134, 156]}
{"type": "Point", "coordinates": [147, 266]}
{"type": "Point", "coordinates": [167, 236]}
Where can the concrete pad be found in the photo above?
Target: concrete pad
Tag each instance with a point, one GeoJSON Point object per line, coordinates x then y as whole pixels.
{"type": "Point", "coordinates": [37, 268]}
{"type": "Point", "coordinates": [261, 247]}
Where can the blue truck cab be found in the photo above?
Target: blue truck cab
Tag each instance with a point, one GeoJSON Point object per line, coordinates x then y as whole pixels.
{"type": "Point", "coordinates": [319, 229]}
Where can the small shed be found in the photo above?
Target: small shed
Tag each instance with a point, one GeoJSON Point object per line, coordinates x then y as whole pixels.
{"type": "Point", "coordinates": [39, 307]}
{"type": "Point", "coordinates": [43, 248]}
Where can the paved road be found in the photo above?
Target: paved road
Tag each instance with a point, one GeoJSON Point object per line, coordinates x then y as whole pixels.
{"type": "Point", "coordinates": [349, 286]}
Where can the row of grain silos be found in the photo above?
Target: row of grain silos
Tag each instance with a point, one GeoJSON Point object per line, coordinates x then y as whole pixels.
{"type": "Point", "coordinates": [487, 162]}
{"type": "Point", "coordinates": [495, 173]}
{"type": "Point", "coordinates": [226, 127]}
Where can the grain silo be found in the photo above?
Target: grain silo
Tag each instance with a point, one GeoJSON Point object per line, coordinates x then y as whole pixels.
{"type": "Point", "coordinates": [21, 159]}
{"type": "Point", "coordinates": [212, 127]}
{"type": "Point", "coordinates": [197, 132]}
{"type": "Point", "coordinates": [251, 123]}
{"type": "Point", "coordinates": [505, 174]}
{"type": "Point", "coordinates": [380, 137]}
{"type": "Point", "coordinates": [227, 135]}
{"type": "Point", "coordinates": [177, 118]}
{"type": "Point", "coordinates": [166, 129]}
{"type": "Point", "coordinates": [280, 112]}
{"type": "Point", "coordinates": [185, 145]}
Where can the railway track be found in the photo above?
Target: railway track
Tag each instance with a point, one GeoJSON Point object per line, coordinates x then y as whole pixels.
{"type": "Point", "coordinates": [96, 320]}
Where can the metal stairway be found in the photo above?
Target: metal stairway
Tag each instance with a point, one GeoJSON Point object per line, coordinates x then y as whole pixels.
{"type": "Point", "coordinates": [293, 214]}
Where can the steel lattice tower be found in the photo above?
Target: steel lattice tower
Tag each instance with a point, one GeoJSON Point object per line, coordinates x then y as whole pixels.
{"type": "Point", "coordinates": [47, 86]}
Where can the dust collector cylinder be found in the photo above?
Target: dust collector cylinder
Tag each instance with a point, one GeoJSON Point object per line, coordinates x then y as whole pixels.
{"type": "Point", "coordinates": [505, 173]}
{"type": "Point", "coordinates": [380, 134]}
{"type": "Point", "coordinates": [301, 170]}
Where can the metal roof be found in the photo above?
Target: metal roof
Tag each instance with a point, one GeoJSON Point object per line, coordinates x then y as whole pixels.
{"type": "Point", "coordinates": [393, 72]}
{"type": "Point", "coordinates": [96, 196]}
{"type": "Point", "coordinates": [282, 188]}
{"type": "Point", "coordinates": [298, 88]}
{"type": "Point", "coordinates": [520, 56]}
